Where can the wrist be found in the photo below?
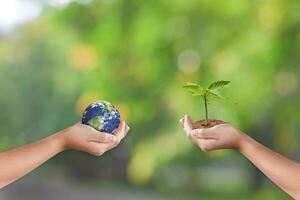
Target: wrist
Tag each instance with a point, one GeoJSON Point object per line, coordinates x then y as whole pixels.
{"type": "Point", "coordinates": [60, 140]}
{"type": "Point", "coordinates": [244, 141]}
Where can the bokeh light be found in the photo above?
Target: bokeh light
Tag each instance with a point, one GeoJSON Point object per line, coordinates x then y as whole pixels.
{"type": "Point", "coordinates": [83, 57]}
{"type": "Point", "coordinates": [189, 61]}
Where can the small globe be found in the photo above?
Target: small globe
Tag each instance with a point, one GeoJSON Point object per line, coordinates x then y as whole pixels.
{"type": "Point", "coordinates": [101, 115]}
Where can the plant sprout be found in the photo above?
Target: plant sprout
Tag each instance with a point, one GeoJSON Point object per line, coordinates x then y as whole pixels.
{"type": "Point", "coordinates": [206, 93]}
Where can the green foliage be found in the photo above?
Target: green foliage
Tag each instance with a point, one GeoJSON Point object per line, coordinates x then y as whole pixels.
{"type": "Point", "coordinates": [45, 77]}
{"type": "Point", "coordinates": [195, 89]}
{"type": "Point", "coordinates": [207, 92]}
{"type": "Point", "coordinates": [218, 84]}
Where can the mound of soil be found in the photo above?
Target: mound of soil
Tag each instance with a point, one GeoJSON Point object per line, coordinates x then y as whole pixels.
{"type": "Point", "coordinates": [211, 123]}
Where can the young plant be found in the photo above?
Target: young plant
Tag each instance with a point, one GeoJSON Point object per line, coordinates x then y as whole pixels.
{"type": "Point", "coordinates": [206, 93]}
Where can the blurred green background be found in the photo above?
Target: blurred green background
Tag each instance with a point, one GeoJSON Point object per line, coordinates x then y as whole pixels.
{"type": "Point", "coordinates": [138, 54]}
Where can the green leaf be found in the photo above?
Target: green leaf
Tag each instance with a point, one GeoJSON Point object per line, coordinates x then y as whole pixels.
{"type": "Point", "coordinates": [195, 89]}
{"type": "Point", "coordinates": [199, 91]}
{"type": "Point", "coordinates": [218, 84]}
{"type": "Point", "coordinates": [191, 86]}
{"type": "Point", "coordinates": [217, 96]}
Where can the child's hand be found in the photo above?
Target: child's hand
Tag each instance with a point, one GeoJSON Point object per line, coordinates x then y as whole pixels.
{"type": "Point", "coordinates": [222, 136]}
{"type": "Point", "coordinates": [85, 138]}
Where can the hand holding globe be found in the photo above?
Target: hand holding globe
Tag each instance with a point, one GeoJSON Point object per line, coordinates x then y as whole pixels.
{"type": "Point", "coordinates": [100, 131]}
{"type": "Point", "coordinates": [87, 139]}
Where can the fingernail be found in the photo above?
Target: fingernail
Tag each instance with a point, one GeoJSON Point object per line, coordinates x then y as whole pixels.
{"type": "Point", "coordinates": [185, 119]}
{"type": "Point", "coordinates": [124, 126]}
{"type": "Point", "coordinates": [128, 128]}
{"type": "Point", "coordinates": [182, 122]}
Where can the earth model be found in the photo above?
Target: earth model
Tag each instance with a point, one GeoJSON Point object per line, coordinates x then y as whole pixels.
{"type": "Point", "coordinates": [101, 115]}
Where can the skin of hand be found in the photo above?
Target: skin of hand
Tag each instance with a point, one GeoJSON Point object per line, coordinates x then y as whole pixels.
{"type": "Point", "coordinates": [17, 162]}
{"type": "Point", "coordinates": [222, 136]}
{"type": "Point", "coordinates": [85, 138]}
{"type": "Point", "coordinates": [283, 171]}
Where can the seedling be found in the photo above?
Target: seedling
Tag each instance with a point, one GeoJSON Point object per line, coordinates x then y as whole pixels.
{"type": "Point", "coordinates": [206, 93]}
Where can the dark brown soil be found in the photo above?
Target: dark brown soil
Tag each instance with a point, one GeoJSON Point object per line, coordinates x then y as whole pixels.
{"type": "Point", "coordinates": [211, 123]}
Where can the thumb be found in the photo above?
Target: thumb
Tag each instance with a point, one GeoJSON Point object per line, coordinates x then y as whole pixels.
{"type": "Point", "coordinates": [101, 137]}
{"type": "Point", "coordinates": [188, 125]}
{"type": "Point", "coordinates": [120, 131]}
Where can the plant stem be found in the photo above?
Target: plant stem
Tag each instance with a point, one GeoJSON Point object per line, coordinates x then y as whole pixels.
{"type": "Point", "coordinates": [206, 112]}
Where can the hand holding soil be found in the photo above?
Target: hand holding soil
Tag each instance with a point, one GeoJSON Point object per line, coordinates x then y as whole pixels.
{"type": "Point", "coordinates": [210, 134]}
{"type": "Point", "coordinates": [216, 135]}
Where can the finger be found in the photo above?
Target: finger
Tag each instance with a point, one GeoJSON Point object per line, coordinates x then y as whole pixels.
{"type": "Point", "coordinates": [87, 127]}
{"type": "Point", "coordinates": [127, 130]}
{"type": "Point", "coordinates": [188, 125]}
{"type": "Point", "coordinates": [120, 131]}
{"type": "Point", "coordinates": [120, 128]}
{"type": "Point", "coordinates": [96, 149]}
{"type": "Point", "coordinates": [100, 137]}
{"type": "Point", "coordinates": [207, 144]}
{"type": "Point", "coordinates": [124, 133]}
{"type": "Point", "coordinates": [181, 122]}
{"type": "Point", "coordinates": [193, 139]}
{"type": "Point", "coordinates": [207, 133]}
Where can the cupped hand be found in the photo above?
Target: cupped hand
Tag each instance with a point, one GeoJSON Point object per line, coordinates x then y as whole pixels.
{"type": "Point", "coordinates": [87, 139]}
{"type": "Point", "coordinates": [221, 136]}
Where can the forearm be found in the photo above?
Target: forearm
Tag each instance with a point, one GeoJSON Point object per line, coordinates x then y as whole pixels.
{"type": "Point", "coordinates": [281, 170]}
{"type": "Point", "coordinates": [19, 161]}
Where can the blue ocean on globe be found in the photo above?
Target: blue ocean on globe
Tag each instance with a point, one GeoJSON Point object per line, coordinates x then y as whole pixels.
{"type": "Point", "coordinates": [101, 115]}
